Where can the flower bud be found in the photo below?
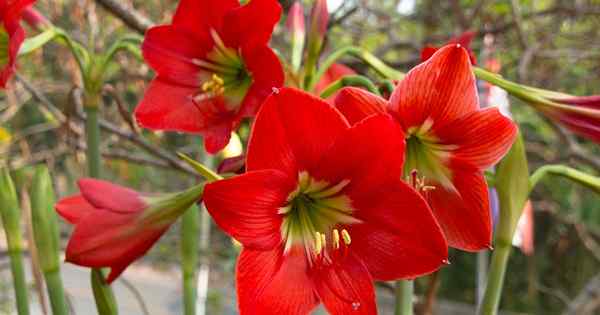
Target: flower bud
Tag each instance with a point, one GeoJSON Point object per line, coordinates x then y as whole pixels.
{"type": "Point", "coordinates": [115, 225]}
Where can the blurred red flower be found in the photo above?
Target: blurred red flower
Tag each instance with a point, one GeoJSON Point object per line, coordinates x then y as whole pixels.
{"type": "Point", "coordinates": [214, 68]}
{"type": "Point", "coordinates": [450, 140]}
{"type": "Point", "coordinates": [463, 39]}
{"type": "Point", "coordinates": [322, 211]}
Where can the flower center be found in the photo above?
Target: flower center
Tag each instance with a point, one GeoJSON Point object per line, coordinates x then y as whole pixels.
{"type": "Point", "coordinates": [225, 74]}
{"type": "Point", "coordinates": [425, 154]}
{"type": "Point", "coordinates": [314, 217]}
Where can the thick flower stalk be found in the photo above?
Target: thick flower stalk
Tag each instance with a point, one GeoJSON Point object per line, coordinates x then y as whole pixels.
{"type": "Point", "coordinates": [450, 140]}
{"type": "Point", "coordinates": [11, 36]}
{"type": "Point", "coordinates": [115, 225]}
{"type": "Point", "coordinates": [325, 213]}
{"type": "Point", "coordinates": [214, 68]}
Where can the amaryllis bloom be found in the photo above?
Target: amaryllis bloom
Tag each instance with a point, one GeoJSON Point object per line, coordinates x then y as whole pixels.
{"type": "Point", "coordinates": [449, 139]}
{"type": "Point", "coordinates": [115, 225]}
{"type": "Point", "coordinates": [322, 211]}
{"type": "Point", "coordinates": [11, 36]}
{"type": "Point", "coordinates": [214, 68]}
{"type": "Point", "coordinates": [581, 114]}
{"type": "Point", "coordinates": [463, 39]}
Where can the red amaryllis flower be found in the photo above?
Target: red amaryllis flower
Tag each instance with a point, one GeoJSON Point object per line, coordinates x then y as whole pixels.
{"type": "Point", "coordinates": [324, 213]}
{"type": "Point", "coordinates": [450, 141]}
{"type": "Point", "coordinates": [115, 225]}
{"type": "Point", "coordinates": [463, 39]}
{"type": "Point", "coordinates": [581, 114]}
{"type": "Point", "coordinates": [214, 68]}
{"type": "Point", "coordinates": [11, 36]}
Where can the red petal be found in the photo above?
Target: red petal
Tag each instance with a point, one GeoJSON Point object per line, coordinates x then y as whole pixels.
{"type": "Point", "coordinates": [357, 104]}
{"type": "Point", "coordinates": [267, 73]}
{"type": "Point", "coordinates": [442, 89]}
{"type": "Point", "coordinates": [16, 35]}
{"type": "Point", "coordinates": [252, 23]}
{"type": "Point", "coordinates": [346, 288]}
{"type": "Point", "coordinates": [334, 73]}
{"type": "Point", "coordinates": [351, 157]}
{"type": "Point", "coordinates": [292, 132]}
{"type": "Point", "coordinates": [481, 138]}
{"type": "Point", "coordinates": [199, 17]}
{"type": "Point", "coordinates": [106, 195]}
{"type": "Point", "coordinates": [400, 237]}
{"type": "Point", "coordinates": [106, 239]}
{"type": "Point", "coordinates": [464, 213]}
{"type": "Point", "coordinates": [170, 107]}
{"type": "Point", "coordinates": [74, 208]}
{"type": "Point", "coordinates": [585, 126]}
{"type": "Point", "coordinates": [174, 62]}
{"type": "Point", "coordinates": [269, 283]}
{"type": "Point", "coordinates": [246, 206]}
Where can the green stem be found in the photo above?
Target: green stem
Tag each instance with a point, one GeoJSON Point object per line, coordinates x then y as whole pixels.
{"type": "Point", "coordinates": [522, 92]}
{"type": "Point", "coordinates": [351, 80]}
{"type": "Point", "coordinates": [103, 294]}
{"type": "Point", "coordinates": [11, 221]}
{"type": "Point", "coordinates": [368, 58]}
{"type": "Point", "coordinates": [493, 292]}
{"type": "Point", "coordinates": [20, 285]}
{"type": "Point", "coordinates": [92, 132]}
{"type": "Point", "coordinates": [189, 257]}
{"type": "Point", "coordinates": [56, 293]}
{"type": "Point", "coordinates": [582, 178]}
{"type": "Point", "coordinates": [404, 297]}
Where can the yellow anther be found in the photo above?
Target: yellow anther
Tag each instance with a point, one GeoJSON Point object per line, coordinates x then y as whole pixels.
{"type": "Point", "coordinates": [214, 86]}
{"type": "Point", "coordinates": [336, 239]}
{"type": "Point", "coordinates": [346, 237]}
{"type": "Point", "coordinates": [323, 240]}
{"type": "Point", "coordinates": [318, 243]}
{"type": "Point", "coordinates": [217, 79]}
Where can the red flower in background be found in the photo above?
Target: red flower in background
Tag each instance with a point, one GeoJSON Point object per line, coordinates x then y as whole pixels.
{"type": "Point", "coordinates": [581, 114]}
{"type": "Point", "coordinates": [11, 36]}
{"type": "Point", "coordinates": [322, 211]}
{"type": "Point", "coordinates": [463, 39]}
{"type": "Point", "coordinates": [115, 225]}
{"type": "Point", "coordinates": [214, 68]}
{"type": "Point", "coordinates": [450, 140]}
{"type": "Point", "coordinates": [334, 73]}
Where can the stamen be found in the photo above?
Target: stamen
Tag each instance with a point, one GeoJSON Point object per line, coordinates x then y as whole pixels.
{"type": "Point", "coordinates": [346, 237]}
{"type": "Point", "coordinates": [336, 239]}
{"type": "Point", "coordinates": [226, 52]}
{"type": "Point", "coordinates": [318, 244]}
{"type": "Point", "coordinates": [324, 240]}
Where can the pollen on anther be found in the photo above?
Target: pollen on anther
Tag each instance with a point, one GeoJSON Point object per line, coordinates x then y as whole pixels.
{"type": "Point", "coordinates": [336, 239]}
{"type": "Point", "coordinates": [346, 237]}
{"type": "Point", "coordinates": [318, 243]}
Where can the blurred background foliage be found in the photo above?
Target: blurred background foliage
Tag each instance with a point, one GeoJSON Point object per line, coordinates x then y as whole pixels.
{"type": "Point", "coordinates": [552, 44]}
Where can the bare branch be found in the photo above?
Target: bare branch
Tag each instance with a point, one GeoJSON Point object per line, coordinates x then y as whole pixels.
{"type": "Point", "coordinates": [126, 13]}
